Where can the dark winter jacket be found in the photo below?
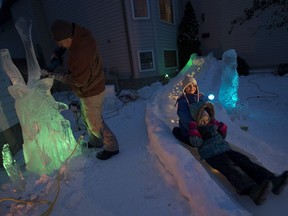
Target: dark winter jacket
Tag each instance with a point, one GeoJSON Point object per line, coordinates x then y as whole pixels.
{"type": "Point", "coordinates": [183, 110]}
{"type": "Point", "coordinates": [209, 139]}
{"type": "Point", "coordinates": [86, 76]}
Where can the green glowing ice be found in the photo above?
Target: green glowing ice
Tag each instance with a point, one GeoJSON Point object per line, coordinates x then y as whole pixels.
{"type": "Point", "coordinates": [7, 157]}
{"type": "Point", "coordinates": [12, 168]}
{"type": "Point", "coordinates": [188, 67]}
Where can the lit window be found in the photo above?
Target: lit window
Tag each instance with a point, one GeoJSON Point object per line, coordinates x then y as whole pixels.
{"type": "Point", "coordinates": [146, 60]}
{"type": "Point", "coordinates": [140, 9]}
{"type": "Point", "coordinates": [166, 10]}
{"type": "Point", "coordinates": [170, 58]}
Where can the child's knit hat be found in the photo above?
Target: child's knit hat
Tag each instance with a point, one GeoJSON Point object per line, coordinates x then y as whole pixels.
{"type": "Point", "coordinates": [189, 79]}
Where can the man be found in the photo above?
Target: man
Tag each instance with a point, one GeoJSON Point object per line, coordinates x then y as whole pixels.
{"type": "Point", "coordinates": [86, 78]}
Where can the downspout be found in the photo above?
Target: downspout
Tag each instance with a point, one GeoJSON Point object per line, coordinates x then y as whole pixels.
{"type": "Point", "coordinates": [132, 75]}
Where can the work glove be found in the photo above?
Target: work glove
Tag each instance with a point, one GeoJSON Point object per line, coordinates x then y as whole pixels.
{"type": "Point", "coordinates": [45, 74]}
{"type": "Point", "coordinates": [56, 58]}
{"type": "Point", "coordinates": [62, 106]}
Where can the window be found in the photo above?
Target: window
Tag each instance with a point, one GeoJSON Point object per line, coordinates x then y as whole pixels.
{"type": "Point", "coordinates": [146, 60]}
{"type": "Point", "coordinates": [166, 11]}
{"type": "Point", "coordinates": [170, 58]}
{"type": "Point", "coordinates": [140, 9]}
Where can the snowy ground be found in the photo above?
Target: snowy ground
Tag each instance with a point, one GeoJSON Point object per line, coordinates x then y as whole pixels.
{"type": "Point", "coordinates": [154, 174]}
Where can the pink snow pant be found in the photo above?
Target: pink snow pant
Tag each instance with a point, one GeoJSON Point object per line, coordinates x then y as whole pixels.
{"type": "Point", "coordinates": [92, 116]}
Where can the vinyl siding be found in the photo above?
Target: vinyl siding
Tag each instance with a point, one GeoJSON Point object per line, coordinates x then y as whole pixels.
{"type": "Point", "coordinates": [142, 38]}
{"type": "Point", "coordinates": [166, 38]}
{"type": "Point", "coordinates": [152, 34]}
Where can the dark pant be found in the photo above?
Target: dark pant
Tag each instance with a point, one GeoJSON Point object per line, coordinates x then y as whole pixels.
{"type": "Point", "coordinates": [240, 171]}
{"type": "Point", "coordinates": [177, 133]}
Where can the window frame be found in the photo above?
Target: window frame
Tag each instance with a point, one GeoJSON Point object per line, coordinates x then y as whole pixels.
{"type": "Point", "coordinates": [140, 17]}
{"type": "Point", "coordinates": [173, 12]}
{"type": "Point", "coordinates": [139, 60]}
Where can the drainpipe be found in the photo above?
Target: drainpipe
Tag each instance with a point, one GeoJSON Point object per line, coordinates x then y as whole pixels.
{"type": "Point", "coordinates": [132, 75]}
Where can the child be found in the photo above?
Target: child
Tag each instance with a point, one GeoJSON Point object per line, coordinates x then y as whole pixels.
{"type": "Point", "coordinates": [190, 95]}
{"type": "Point", "coordinates": [208, 135]}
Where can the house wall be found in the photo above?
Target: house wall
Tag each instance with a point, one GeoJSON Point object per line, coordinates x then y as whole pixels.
{"type": "Point", "coordinates": [118, 35]}
{"type": "Point", "coordinates": [259, 48]}
{"type": "Point", "coordinates": [106, 22]}
{"type": "Point", "coordinates": [166, 34]}
{"type": "Point", "coordinates": [10, 39]}
{"type": "Point", "coordinates": [141, 37]}
{"type": "Point", "coordinates": [152, 34]}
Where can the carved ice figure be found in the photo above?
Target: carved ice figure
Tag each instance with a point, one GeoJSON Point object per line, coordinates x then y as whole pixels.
{"type": "Point", "coordinates": [47, 135]}
{"type": "Point", "coordinates": [228, 92]}
{"type": "Point", "coordinates": [34, 72]}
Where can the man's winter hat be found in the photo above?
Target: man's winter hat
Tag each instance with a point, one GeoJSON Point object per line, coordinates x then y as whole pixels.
{"type": "Point", "coordinates": [61, 30]}
{"type": "Point", "coordinates": [188, 79]}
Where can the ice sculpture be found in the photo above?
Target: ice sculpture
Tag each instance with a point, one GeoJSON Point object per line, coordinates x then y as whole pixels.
{"type": "Point", "coordinates": [228, 92]}
{"type": "Point", "coordinates": [12, 168]}
{"type": "Point", "coordinates": [24, 29]}
{"type": "Point", "coordinates": [47, 135]}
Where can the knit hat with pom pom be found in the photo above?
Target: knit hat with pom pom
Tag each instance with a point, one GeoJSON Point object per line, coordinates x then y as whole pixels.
{"type": "Point", "coordinates": [188, 79]}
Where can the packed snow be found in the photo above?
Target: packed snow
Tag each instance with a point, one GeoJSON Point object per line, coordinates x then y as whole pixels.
{"type": "Point", "coordinates": [154, 174]}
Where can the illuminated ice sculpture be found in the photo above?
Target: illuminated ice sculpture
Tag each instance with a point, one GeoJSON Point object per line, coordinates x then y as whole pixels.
{"type": "Point", "coordinates": [48, 139]}
{"type": "Point", "coordinates": [228, 92]}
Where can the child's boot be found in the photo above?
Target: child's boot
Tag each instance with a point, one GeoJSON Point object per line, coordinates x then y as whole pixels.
{"type": "Point", "coordinates": [279, 182]}
{"type": "Point", "coordinates": [258, 192]}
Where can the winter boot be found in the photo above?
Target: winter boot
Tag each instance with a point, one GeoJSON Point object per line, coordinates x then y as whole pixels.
{"type": "Point", "coordinates": [258, 193]}
{"type": "Point", "coordinates": [279, 182]}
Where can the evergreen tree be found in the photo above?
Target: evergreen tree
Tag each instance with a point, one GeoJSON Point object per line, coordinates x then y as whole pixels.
{"type": "Point", "coordinates": [188, 41]}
